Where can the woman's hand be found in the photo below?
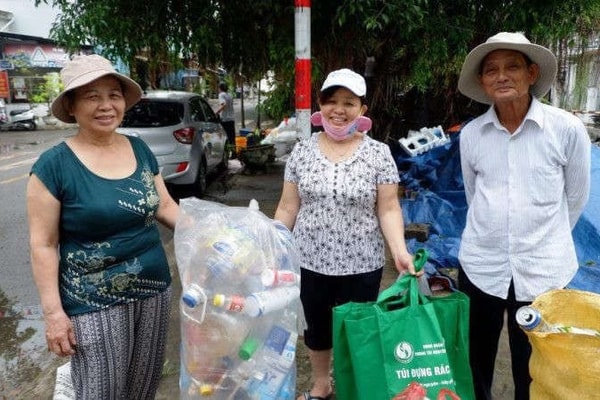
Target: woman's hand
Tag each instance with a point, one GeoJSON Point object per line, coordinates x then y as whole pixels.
{"type": "Point", "coordinates": [60, 336]}
{"type": "Point", "coordinates": [404, 263]}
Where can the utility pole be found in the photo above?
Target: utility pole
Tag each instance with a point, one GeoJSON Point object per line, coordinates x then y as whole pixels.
{"type": "Point", "coordinates": [303, 67]}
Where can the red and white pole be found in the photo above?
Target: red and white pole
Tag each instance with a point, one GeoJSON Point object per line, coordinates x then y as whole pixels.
{"type": "Point", "coordinates": [303, 66]}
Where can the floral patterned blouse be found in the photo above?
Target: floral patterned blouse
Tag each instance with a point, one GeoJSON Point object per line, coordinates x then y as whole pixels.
{"type": "Point", "coordinates": [110, 248]}
{"type": "Point", "coordinates": [337, 231]}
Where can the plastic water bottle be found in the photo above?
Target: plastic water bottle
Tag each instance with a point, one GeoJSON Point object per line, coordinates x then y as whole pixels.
{"type": "Point", "coordinates": [272, 364]}
{"type": "Point", "coordinates": [267, 301]}
{"type": "Point", "coordinates": [209, 339]}
{"type": "Point", "coordinates": [288, 388]}
{"type": "Point", "coordinates": [278, 277]}
{"type": "Point", "coordinates": [258, 303]}
{"type": "Point", "coordinates": [235, 245]}
{"type": "Point", "coordinates": [530, 319]}
{"type": "Point", "coordinates": [232, 303]}
{"type": "Point", "coordinates": [255, 339]}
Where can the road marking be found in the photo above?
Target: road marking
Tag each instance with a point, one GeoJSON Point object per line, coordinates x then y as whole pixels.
{"type": "Point", "coordinates": [16, 178]}
{"type": "Point", "coordinates": [28, 161]}
{"type": "Point", "coordinates": [12, 154]}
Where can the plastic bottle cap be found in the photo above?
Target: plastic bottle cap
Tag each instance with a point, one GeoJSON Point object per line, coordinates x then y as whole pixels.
{"type": "Point", "coordinates": [191, 298]}
{"type": "Point", "coordinates": [248, 348]}
{"type": "Point", "coordinates": [206, 390]}
{"type": "Point", "coordinates": [219, 300]}
{"type": "Point", "coordinates": [267, 277]}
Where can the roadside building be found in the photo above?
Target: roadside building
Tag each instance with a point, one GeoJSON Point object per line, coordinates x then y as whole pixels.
{"type": "Point", "coordinates": [27, 55]}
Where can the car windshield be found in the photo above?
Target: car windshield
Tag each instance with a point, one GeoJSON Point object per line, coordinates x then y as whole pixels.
{"type": "Point", "coordinates": [149, 114]}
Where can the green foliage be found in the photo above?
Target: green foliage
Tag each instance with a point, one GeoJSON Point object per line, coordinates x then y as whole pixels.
{"type": "Point", "coordinates": [418, 45]}
{"type": "Point", "coordinates": [279, 103]}
{"type": "Point", "coordinates": [47, 91]}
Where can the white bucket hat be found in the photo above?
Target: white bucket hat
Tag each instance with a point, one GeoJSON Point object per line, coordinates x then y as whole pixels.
{"type": "Point", "coordinates": [348, 79]}
{"type": "Point", "coordinates": [468, 82]}
{"type": "Point", "coordinates": [82, 70]}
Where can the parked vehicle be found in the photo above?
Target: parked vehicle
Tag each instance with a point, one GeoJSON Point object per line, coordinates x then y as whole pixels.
{"type": "Point", "coordinates": [184, 134]}
{"type": "Point", "coordinates": [17, 120]}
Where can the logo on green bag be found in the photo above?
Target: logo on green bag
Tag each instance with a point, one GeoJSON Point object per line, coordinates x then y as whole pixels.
{"type": "Point", "coordinates": [404, 352]}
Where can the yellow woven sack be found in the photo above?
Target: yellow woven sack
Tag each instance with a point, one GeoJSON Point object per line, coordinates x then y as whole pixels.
{"type": "Point", "coordinates": [566, 366]}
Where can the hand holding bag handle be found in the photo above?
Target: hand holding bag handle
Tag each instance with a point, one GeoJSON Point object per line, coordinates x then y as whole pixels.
{"type": "Point", "coordinates": [393, 297]}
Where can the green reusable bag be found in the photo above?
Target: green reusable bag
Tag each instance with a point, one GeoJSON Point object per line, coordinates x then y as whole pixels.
{"type": "Point", "coordinates": [345, 385]}
{"type": "Point", "coordinates": [380, 348]}
{"type": "Point", "coordinates": [453, 316]}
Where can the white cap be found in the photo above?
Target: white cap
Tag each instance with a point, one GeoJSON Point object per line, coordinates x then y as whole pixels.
{"type": "Point", "coordinates": [348, 79]}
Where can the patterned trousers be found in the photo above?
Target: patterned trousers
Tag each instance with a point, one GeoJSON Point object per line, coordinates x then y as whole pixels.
{"type": "Point", "coordinates": [120, 350]}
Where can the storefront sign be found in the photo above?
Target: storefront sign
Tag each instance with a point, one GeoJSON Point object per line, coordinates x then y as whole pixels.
{"type": "Point", "coordinates": [4, 91]}
{"type": "Point", "coordinates": [6, 64]}
{"type": "Point", "coordinates": [34, 55]}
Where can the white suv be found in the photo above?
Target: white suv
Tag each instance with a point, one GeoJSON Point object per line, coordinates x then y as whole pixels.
{"type": "Point", "coordinates": [184, 134]}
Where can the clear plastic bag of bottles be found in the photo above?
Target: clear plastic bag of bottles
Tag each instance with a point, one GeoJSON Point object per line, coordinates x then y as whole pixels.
{"type": "Point", "coordinates": [239, 307]}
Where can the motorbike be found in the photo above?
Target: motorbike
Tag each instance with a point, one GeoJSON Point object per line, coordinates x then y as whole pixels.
{"type": "Point", "coordinates": [23, 119]}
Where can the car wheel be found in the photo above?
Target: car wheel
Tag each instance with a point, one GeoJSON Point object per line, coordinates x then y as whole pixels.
{"type": "Point", "coordinates": [201, 180]}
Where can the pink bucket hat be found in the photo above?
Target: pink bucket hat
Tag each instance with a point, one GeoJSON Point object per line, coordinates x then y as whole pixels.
{"type": "Point", "coordinates": [82, 70]}
{"type": "Point", "coordinates": [468, 82]}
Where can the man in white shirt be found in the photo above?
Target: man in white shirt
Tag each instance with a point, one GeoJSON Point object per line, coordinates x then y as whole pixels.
{"type": "Point", "coordinates": [526, 171]}
{"type": "Point", "coordinates": [227, 114]}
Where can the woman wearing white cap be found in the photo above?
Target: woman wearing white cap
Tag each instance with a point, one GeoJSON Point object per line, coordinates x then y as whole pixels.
{"type": "Point", "coordinates": [101, 271]}
{"type": "Point", "coordinates": [526, 170]}
{"type": "Point", "coordinates": [340, 199]}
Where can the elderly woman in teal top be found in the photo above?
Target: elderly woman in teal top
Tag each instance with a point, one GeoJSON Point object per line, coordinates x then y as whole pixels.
{"type": "Point", "coordinates": [93, 203]}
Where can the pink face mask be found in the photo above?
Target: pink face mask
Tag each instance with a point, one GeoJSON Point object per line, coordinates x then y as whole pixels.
{"type": "Point", "coordinates": [360, 124]}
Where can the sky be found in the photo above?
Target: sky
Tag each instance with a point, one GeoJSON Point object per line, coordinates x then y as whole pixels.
{"type": "Point", "coordinates": [27, 18]}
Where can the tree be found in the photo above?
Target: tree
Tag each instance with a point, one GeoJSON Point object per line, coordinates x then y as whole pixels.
{"type": "Point", "coordinates": [417, 45]}
{"type": "Point", "coordinates": [46, 92]}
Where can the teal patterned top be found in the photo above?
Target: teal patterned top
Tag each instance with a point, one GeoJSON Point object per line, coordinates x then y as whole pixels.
{"type": "Point", "coordinates": [110, 248]}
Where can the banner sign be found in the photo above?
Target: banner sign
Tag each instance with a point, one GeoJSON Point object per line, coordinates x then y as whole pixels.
{"type": "Point", "coordinates": [4, 91]}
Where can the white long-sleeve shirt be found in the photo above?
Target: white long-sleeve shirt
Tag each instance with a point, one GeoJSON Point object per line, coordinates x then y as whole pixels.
{"type": "Point", "coordinates": [525, 193]}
